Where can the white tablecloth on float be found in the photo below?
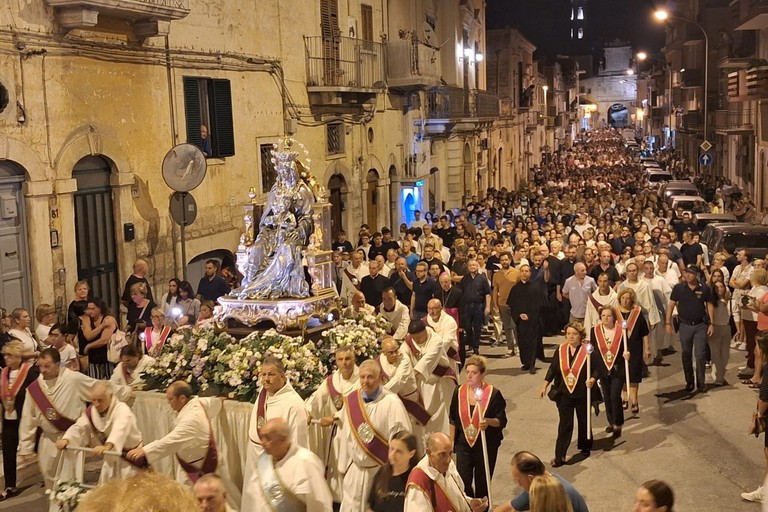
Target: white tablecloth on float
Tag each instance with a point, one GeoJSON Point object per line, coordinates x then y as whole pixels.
{"type": "Point", "coordinates": [230, 428]}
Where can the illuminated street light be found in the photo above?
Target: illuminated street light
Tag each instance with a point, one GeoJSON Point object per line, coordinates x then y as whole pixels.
{"type": "Point", "coordinates": [661, 15]}
{"type": "Point", "coordinates": [630, 72]}
{"type": "Point", "coordinates": [642, 55]}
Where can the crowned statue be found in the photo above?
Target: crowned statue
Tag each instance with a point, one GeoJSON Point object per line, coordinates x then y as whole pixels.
{"type": "Point", "coordinates": [274, 269]}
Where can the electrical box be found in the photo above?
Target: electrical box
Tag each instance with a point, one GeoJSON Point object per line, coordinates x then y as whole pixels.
{"type": "Point", "coordinates": [8, 207]}
{"type": "Point", "coordinates": [129, 232]}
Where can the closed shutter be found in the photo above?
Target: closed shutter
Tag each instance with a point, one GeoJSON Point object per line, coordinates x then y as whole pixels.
{"type": "Point", "coordinates": [222, 129]}
{"type": "Point", "coordinates": [329, 18]}
{"type": "Point", "coordinates": [192, 110]}
{"type": "Point", "coordinates": [366, 15]}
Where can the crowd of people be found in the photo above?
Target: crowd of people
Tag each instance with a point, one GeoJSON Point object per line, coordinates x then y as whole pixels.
{"type": "Point", "coordinates": [585, 249]}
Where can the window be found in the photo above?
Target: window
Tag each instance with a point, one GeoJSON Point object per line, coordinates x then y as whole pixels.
{"type": "Point", "coordinates": [366, 14]}
{"type": "Point", "coordinates": [581, 33]}
{"type": "Point", "coordinates": [268, 173]}
{"type": "Point", "coordinates": [580, 14]}
{"type": "Point", "coordinates": [334, 133]}
{"type": "Point", "coordinates": [208, 102]}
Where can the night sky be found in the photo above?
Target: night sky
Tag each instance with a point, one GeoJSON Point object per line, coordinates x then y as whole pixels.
{"type": "Point", "coordinates": [540, 20]}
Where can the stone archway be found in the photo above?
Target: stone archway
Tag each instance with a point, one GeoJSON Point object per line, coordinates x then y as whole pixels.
{"type": "Point", "coordinates": [337, 196]}
{"type": "Point", "coordinates": [394, 194]}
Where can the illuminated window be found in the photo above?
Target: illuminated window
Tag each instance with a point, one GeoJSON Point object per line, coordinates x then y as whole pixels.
{"type": "Point", "coordinates": [581, 33]}
{"type": "Point", "coordinates": [579, 14]}
{"type": "Point", "coordinates": [571, 13]}
{"type": "Point", "coordinates": [571, 33]}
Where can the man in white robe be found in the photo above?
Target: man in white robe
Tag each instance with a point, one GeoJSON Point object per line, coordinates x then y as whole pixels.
{"type": "Point", "coordinates": [437, 473]}
{"type": "Point", "coordinates": [603, 296]}
{"type": "Point", "coordinates": [352, 275]}
{"type": "Point", "coordinates": [444, 326]}
{"type": "Point", "coordinates": [357, 307]}
{"type": "Point", "coordinates": [288, 476]}
{"type": "Point", "coordinates": [277, 399]}
{"type": "Point", "coordinates": [397, 376]}
{"type": "Point", "coordinates": [211, 494]}
{"type": "Point", "coordinates": [325, 402]}
{"type": "Point", "coordinates": [190, 439]}
{"type": "Point", "coordinates": [434, 376]}
{"type": "Point", "coordinates": [129, 371]}
{"type": "Point", "coordinates": [63, 395]}
{"type": "Point", "coordinates": [396, 313]}
{"type": "Point", "coordinates": [112, 426]}
{"type": "Point", "coordinates": [661, 291]}
{"type": "Point", "coordinates": [643, 293]}
{"type": "Point", "coordinates": [380, 415]}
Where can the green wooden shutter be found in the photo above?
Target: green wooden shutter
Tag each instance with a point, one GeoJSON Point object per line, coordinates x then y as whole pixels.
{"type": "Point", "coordinates": [192, 109]}
{"type": "Point", "coordinates": [223, 130]}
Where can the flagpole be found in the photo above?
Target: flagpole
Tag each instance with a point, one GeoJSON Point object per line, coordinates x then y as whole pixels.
{"type": "Point", "coordinates": [589, 348]}
{"type": "Point", "coordinates": [626, 349]}
{"type": "Point", "coordinates": [479, 397]}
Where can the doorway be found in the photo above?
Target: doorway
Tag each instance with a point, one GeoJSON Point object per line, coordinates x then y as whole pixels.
{"type": "Point", "coordinates": [372, 200]}
{"type": "Point", "coordinates": [14, 257]}
{"type": "Point", "coordinates": [337, 188]}
{"type": "Point", "coordinates": [95, 230]}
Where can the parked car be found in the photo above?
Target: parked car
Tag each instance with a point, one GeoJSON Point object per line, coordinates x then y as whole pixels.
{"type": "Point", "coordinates": [678, 188]}
{"type": "Point", "coordinates": [690, 204]}
{"type": "Point", "coordinates": [754, 239]}
{"type": "Point", "coordinates": [702, 220]}
{"type": "Point", "coordinates": [655, 177]}
{"type": "Point", "coordinates": [709, 232]}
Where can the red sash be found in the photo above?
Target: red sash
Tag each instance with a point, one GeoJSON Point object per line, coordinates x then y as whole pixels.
{"type": "Point", "coordinates": [609, 353]}
{"type": "Point", "coordinates": [54, 417]}
{"type": "Point", "coordinates": [570, 373]}
{"type": "Point", "coordinates": [632, 320]}
{"type": "Point", "coordinates": [164, 332]}
{"type": "Point", "coordinates": [440, 370]}
{"type": "Point", "coordinates": [371, 441]}
{"type": "Point", "coordinates": [210, 461]}
{"type": "Point", "coordinates": [8, 393]}
{"type": "Point", "coordinates": [431, 489]}
{"type": "Point", "coordinates": [140, 463]}
{"type": "Point", "coordinates": [595, 303]}
{"type": "Point", "coordinates": [414, 408]}
{"type": "Point", "coordinates": [353, 279]}
{"type": "Point", "coordinates": [261, 410]}
{"type": "Point", "coordinates": [453, 313]}
{"type": "Point", "coordinates": [336, 397]}
{"type": "Point", "coordinates": [470, 423]}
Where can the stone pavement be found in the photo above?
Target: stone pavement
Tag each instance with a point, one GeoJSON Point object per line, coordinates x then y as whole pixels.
{"type": "Point", "coordinates": [696, 443]}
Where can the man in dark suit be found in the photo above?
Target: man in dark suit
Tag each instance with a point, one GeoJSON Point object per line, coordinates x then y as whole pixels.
{"type": "Point", "coordinates": [525, 301]}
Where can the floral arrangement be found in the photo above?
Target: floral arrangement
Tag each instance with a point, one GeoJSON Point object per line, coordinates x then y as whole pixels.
{"type": "Point", "coordinates": [67, 495]}
{"type": "Point", "coordinates": [238, 365]}
{"type": "Point", "coordinates": [363, 336]}
{"type": "Point", "coordinates": [188, 355]}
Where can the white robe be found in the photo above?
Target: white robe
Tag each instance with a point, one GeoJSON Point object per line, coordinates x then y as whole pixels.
{"type": "Point", "coordinates": [286, 404]}
{"type": "Point", "coordinates": [661, 292]}
{"type": "Point", "coordinates": [451, 483]}
{"type": "Point", "coordinates": [436, 392]}
{"type": "Point", "coordinates": [387, 416]}
{"type": "Point", "coordinates": [399, 317]}
{"type": "Point", "coordinates": [117, 426]}
{"type": "Point", "coordinates": [645, 300]}
{"type": "Point", "coordinates": [325, 441]}
{"type": "Point", "coordinates": [302, 473]}
{"type": "Point", "coordinates": [592, 316]}
{"type": "Point", "coordinates": [402, 381]}
{"type": "Point", "coordinates": [137, 381]}
{"type": "Point", "coordinates": [347, 287]}
{"type": "Point", "coordinates": [448, 330]}
{"type": "Point", "coordinates": [68, 394]}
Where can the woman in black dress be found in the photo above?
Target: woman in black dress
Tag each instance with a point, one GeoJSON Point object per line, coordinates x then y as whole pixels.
{"type": "Point", "coordinates": [638, 341]}
{"type": "Point", "coordinates": [570, 379]}
{"type": "Point", "coordinates": [476, 406]}
{"type": "Point", "coordinates": [609, 355]}
{"type": "Point", "coordinates": [388, 489]}
{"type": "Point", "coordinates": [97, 327]}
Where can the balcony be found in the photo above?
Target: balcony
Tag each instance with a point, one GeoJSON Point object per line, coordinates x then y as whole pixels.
{"type": "Point", "coordinates": [412, 65]}
{"type": "Point", "coordinates": [733, 121]}
{"type": "Point", "coordinates": [691, 78]}
{"type": "Point", "coordinates": [748, 84]}
{"type": "Point", "coordinates": [343, 72]}
{"type": "Point", "coordinates": [753, 15]}
{"type": "Point", "coordinates": [690, 122]}
{"type": "Point", "coordinates": [149, 17]}
{"type": "Point", "coordinates": [450, 109]}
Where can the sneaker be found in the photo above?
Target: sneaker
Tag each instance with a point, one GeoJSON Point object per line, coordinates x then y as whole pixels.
{"type": "Point", "coordinates": [509, 353]}
{"type": "Point", "coordinates": [742, 346]}
{"type": "Point", "coordinates": [734, 343]}
{"type": "Point", "coordinates": [755, 496]}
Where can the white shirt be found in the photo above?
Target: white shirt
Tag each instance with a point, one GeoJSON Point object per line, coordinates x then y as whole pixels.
{"type": "Point", "coordinates": [67, 353]}
{"type": "Point", "coordinates": [25, 336]}
{"type": "Point", "coordinates": [399, 317]}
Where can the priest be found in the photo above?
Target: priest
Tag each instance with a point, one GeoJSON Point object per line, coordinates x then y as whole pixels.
{"type": "Point", "coordinates": [446, 327]}
{"type": "Point", "coordinates": [603, 296]}
{"type": "Point", "coordinates": [525, 301]}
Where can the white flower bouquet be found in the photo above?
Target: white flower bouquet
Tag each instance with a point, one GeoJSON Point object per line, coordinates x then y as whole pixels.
{"type": "Point", "coordinates": [363, 336]}
{"type": "Point", "coordinates": [67, 495]}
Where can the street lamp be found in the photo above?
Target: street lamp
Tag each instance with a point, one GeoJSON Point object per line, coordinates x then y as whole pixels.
{"type": "Point", "coordinates": [642, 55]}
{"type": "Point", "coordinates": [663, 15]}
{"type": "Point", "coordinates": [545, 88]}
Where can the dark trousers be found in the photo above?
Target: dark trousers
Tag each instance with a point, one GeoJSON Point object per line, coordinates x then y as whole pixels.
{"type": "Point", "coordinates": [566, 406]}
{"type": "Point", "coordinates": [614, 409]}
{"type": "Point", "coordinates": [472, 318]}
{"type": "Point", "coordinates": [10, 439]}
{"type": "Point", "coordinates": [693, 339]}
{"type": "Point", "coordinates": [470, 465]}
{"type": "Point", "coordinates": [750, 332]}
{"type": "Point", "coordinates": [527, 341]}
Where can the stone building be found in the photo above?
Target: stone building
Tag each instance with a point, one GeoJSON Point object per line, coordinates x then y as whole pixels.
{"type": "Point", "coordinates": [389, 99]}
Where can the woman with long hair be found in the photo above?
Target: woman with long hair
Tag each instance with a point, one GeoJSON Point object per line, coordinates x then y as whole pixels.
{"type": "Point", "coordinates": [654, 496]}
{"type": "Point", "coordinates": [168, 302]}
{"type": "Point", "coordinates": [187, 307]}
{"type": "Point", "coordinates": [548, 495]}
{"type": "Point", "coordinates": [388, 488]}
{"type": "Point", "coordinates": [719, 342]}
{"type": "Point", "coordinates": [97, 326]}
{"type": "Point", "coordinates": [476, 406]}
{"type": "Point", "coordinates": [638, 342]}
{"type": "Point", "coordinates": [20, 322]}
{"type": "Point", "coordinates": [568, 375]}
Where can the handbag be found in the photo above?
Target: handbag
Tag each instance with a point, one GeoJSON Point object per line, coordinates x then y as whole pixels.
{"type": "Point", "coordinates": [757, 425]}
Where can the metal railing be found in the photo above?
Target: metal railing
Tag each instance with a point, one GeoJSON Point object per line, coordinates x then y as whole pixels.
{"type": "Point", "coordinates": [344, 62]}
{"type": "Point", "coordinates": [448, 102]}
{"type": "Point", "coordinates": [727, 119]}
{"type": "Point", "coordinates": [484, 104]}
{"type": "Point", "coordinates": [412, 59]}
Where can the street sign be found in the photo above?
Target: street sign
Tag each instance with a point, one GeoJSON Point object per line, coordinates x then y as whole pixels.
{"type": "Point", "coordinates": [420, 183]}
{"type": "Point", "coordinates": [705, 146]}
{"type": "Point", "coordinates": [705, 158]}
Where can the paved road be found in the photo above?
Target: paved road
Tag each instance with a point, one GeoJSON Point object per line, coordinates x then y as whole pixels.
{"type": "Point", "coordinates": [698, 444]}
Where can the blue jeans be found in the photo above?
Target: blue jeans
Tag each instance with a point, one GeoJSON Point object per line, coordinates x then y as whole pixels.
{"type": "Point", "coordinates": [693, 339]}
{"type": "Point", "coordinates": [472, 319]}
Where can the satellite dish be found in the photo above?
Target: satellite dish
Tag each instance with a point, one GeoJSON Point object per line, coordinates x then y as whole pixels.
{"type": "Point", "coordinates": [184, 168]}
{"type": "Point", "coordinates": [429, 34]}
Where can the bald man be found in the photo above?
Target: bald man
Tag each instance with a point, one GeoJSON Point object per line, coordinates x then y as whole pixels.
{"type": "Point", "coordinates": [434, 484]}
{"type": "Point", "coordinates": [370, 416]}
{"type": "Point", "coordinates": [112, 424]}
{"type": "Point", "coordinates": [397, 376]}
{"type": "Point", "coordinates": [357, 307]}
{"type": "Point", "coordinates": [577, 290]}
{"type": "Point", "coordinates": [446, 327]}
{"type": "Point", "coordinates": [288, 477]}
{"type": "Point", "coordinates": [140, 272]}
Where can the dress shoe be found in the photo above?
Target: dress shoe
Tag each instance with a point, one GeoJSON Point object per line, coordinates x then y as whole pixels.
{"type": "Point", "coordinates": [525, 367]}
{"type": "Point", "coordinates": [532, 371]}
{"type": "Point", "coordinates": [616, 432]}
{"type": "Point", "coordinates": [556, 463]}
{"type": "Point", "coordinates": [609, 429]}
{"type": "Point", "coordinates": [689, 388]}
